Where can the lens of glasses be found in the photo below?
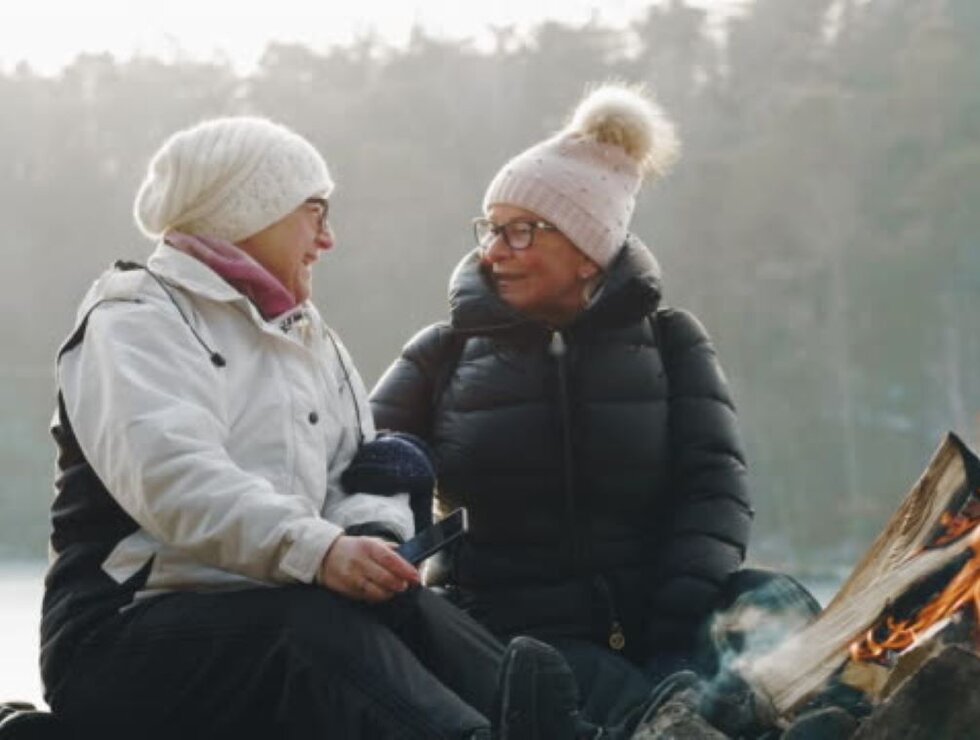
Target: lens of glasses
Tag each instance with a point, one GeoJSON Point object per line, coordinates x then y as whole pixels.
{"type": "Point", "coordinates": [483, 231]}
{"type": "Point", "coordinates": [519, 234]}
{"type": "Point", "coordinates": [516, 234]}
{"type": "Point", "coordinates": [324, 205]}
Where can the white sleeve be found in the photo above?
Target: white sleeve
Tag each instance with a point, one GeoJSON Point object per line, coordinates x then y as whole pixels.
{"type": "Point", "coordinates": [144, 406]}
{"type": "Point", "coordinates": [392, 512]}
{"type": "Point", "coordinates": [347, 508]}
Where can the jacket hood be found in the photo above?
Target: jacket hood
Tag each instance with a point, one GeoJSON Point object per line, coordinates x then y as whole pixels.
{"type": "Point", "coordinates": [632, 288]}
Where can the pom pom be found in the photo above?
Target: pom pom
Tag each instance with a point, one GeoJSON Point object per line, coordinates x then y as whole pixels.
{"type": "Point", "coordinates": [626, 117]}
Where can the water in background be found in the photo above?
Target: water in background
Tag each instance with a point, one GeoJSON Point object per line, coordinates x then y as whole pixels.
{"type": "Point", "coordinates": [21, 586]}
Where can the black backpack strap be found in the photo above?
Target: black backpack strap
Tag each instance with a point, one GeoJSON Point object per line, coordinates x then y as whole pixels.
{"type": "Point", "coordinates": [653, 319]}
{"type": "Point", "coordinates": [451, 350]}
{"type": "Point", "coordinates": [657, 321]}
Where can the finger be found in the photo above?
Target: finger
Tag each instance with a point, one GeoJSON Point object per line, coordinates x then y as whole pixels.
{"type": "Point", "coordinates": [381, 576]}
{"type": "Point", "coordinates": [387, 570]}
{"type": "Point", "coordinates": [354, 560]}
{"type": "Point", "coordinates": [396, 565]}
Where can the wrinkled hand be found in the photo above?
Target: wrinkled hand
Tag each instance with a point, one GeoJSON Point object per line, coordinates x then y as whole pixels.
{"type": "Point", "coordinates": [366, 569]}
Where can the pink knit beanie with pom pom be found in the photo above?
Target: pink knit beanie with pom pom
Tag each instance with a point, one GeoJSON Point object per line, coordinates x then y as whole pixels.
{"type": "Point", "coordinates": [585, 178]}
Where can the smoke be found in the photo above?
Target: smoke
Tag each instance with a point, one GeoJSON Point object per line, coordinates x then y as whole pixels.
{"type": "Point", "coordinates": [760, 620]}
{"type": "Point", "coordinates": [769, 610]}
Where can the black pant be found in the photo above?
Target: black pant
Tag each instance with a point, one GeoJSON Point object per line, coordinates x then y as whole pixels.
{"type": "Point", "coordinates": [294, 662]}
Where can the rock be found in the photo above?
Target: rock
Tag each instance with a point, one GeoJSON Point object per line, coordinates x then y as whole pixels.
{"type": "Point", "coordinates": [677, 720]}
{"type": "Point", "coordinates": [829, 723]}
{"type": "Point", "coordinates": [938, 702]}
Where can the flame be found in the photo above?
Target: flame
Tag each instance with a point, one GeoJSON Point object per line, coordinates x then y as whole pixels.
{"type": "Point", "coordinates": [956, 526]}
{"type": "Point", "coordinates": [962, 592]}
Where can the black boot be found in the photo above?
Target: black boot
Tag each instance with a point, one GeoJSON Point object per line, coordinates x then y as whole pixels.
{"type": "Point", "coordinates": [537, 696]}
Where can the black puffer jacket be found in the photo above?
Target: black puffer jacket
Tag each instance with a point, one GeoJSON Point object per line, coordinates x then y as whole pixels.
{"type": "Point", "coordinates": [601, 465]}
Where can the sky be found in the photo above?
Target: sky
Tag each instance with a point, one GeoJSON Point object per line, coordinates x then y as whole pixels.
{"type": "Point", "coordinates": [48, 34]}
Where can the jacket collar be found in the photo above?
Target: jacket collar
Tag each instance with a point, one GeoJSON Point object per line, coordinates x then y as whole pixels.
{"type": "Point", "coordinates": [631, 290]}
{"type": "Point", "coordinates": [238, 268]}
{"type": "Point", "coordinates": [190, 274]}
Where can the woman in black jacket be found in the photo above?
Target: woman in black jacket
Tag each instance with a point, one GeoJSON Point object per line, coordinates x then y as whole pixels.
{"type": "Point", "coordinates": [589, 431]}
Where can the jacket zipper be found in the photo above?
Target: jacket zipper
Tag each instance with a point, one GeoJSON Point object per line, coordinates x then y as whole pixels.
{"type": "Point", "coordinates": [616, 639]}
{"type": "Point", "coordinates": [558, 349]}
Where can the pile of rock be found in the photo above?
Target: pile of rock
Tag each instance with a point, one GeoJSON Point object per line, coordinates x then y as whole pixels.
{"type": "Point", "coordinates": [939, 701]}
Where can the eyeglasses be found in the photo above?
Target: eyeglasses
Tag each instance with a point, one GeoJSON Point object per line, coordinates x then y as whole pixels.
{"type": "Point", "coordinates": [517, 234]}
{"type": "Point", "coordinates": [323, 205]}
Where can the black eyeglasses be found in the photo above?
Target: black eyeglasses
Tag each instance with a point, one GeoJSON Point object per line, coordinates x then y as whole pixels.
{"type": "Point", "coordinates": [324, 207]}
{"type": "Point", "coordinates": [517, 234]}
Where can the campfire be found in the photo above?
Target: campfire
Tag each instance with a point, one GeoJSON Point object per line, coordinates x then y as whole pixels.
{"type": "Point", "coordinates": [915, 592]}
{"type": "Point", "coordinates": [895, 654]}
{"type": "Point", "coordinates": [894, 634]}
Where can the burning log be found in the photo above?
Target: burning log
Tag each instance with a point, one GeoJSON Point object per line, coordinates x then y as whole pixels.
{"type": "Point", "coordinates": [928, 605]}
{"type": "Point", "coordinates": [917, 588]}
{"type": "Point", "coordinates": [916, 591]}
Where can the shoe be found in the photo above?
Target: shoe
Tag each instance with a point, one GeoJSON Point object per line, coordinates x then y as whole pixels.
{"type": "Point", "coordinates": [537, 696]}
{"type": "Point", "coordinates": [30, 724]}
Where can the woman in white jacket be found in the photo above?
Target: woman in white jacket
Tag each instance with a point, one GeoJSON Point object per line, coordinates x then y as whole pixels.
{"type": "Point", "coordinates": [210, 575]}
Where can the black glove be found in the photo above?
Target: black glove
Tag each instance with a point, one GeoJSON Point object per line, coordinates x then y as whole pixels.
{"type": "Point", "coordinates": [395, 462]}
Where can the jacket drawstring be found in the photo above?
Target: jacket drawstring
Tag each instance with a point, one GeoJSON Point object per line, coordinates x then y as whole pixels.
{"type": "Point", "coordinates": [217, 359]}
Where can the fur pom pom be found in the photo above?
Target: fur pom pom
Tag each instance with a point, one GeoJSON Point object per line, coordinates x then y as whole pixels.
{"type": "Point", "coordinates": [624, 116]}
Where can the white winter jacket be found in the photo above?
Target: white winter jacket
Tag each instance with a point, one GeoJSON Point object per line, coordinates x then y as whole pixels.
{"type": "Point", "coordinates": [232, 470]}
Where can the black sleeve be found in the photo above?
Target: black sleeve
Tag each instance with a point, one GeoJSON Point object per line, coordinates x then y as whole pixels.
{"type": "Point", "coordinates": [402, 399]}
{"type": "Point", "coordinates": [374, 529]}
{"type": "Point", "coordinates": [709, 528]}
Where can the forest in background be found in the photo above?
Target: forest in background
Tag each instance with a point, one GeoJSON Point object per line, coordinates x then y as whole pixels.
{"type": "Point", "coordinates": [823, 222]}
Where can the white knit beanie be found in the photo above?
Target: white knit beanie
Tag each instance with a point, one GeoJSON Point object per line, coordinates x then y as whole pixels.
{"type": "Point", "coordinates": [584, 179]}
{"type": "Point", "coordinates": [228, 178]}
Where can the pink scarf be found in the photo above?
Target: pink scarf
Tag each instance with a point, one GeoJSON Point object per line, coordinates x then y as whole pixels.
{"type": "Point", "coordinates": [238, 269]}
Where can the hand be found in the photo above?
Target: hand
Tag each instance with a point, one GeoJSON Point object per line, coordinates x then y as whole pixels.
{"type": "Point", "coordinates": [366, 569]}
